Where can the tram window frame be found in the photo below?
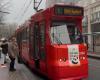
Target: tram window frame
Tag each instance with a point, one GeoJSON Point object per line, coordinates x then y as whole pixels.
{"type": "Point", "coordinates": [59, 23]}
{"type": "Point", "coordinates": [58, 41]}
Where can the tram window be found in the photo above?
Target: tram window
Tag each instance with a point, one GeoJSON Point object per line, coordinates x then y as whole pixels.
{"type": "Point", "coordinates": [19, 38]}
{"type": "Point", "coordinates": [36, 42]}
{"type": "Point", "coordinates": [24, 34]}
{"type": "Point", "coordinates": [42, 40]}
{"type": "Point", "coordinates": [59, 36]}
{"type": "Point", "coordinates": [27, 33]}
{"type": "Point", "coordinates": [65, 33]}
{"type": "Point", "coordinates": [42, 35]}
{"type": "Point", "coordinates": [31, 38]}
{"type": "Point", "coordinates": [75, 35]}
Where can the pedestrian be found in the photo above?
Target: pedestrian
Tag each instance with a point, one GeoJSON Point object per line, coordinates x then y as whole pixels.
{"type": "Point", "coordinates": [4, 47]}
{"type": "Point", "coordinates": [12, 52]}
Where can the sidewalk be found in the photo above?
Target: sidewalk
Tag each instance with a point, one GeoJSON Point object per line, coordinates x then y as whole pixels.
{"type": "Point", "coordinates": [21, 73]}
{"type": "Point", "coordinates": [93, 55]}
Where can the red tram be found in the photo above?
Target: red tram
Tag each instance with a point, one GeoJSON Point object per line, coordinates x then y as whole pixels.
{"type": "Point", "coordinates": [53, 44]}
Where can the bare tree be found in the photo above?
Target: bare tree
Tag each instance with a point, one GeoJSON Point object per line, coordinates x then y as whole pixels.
{"type": "Point", "coordinates": [3, 12]}
{"type": "Point", "coordinates": [7, 30]}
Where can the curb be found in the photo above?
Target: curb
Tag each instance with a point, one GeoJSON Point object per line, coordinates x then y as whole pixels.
{"type": "Point", "coordinates": [94, 56]}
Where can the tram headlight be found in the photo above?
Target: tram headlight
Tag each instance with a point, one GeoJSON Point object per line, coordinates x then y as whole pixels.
{"type": "Point", "coordinates": [83, 58]}
{"type": "Point", "coordinates": [85, 44]}
{"type": "Point", "coordinates": [82, 55]}
{"type": "Point", "coordinates": [62, 59]}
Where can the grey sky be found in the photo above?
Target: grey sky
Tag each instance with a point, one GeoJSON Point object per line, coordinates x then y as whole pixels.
{"type": "Point", "coordinates": [17, 10]}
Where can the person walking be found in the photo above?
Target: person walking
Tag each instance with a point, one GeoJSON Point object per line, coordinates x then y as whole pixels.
{"type": "Point", "coordinates": [12, 52]}
{"type": "Point", "coordinates": [4, 47]}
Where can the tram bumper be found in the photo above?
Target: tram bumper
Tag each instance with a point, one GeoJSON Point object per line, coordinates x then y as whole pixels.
{"type": "Point", "coordinates": [69, 72]}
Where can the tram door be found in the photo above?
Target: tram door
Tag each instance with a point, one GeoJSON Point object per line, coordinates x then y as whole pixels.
{"type": "Point", "coordinates": [36, 46]}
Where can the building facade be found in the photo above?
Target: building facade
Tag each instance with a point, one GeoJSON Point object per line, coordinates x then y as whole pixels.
{"type": "Point", "coordinates": [91, 23]}
{"type": "Point", "coordinates": [50, 3]}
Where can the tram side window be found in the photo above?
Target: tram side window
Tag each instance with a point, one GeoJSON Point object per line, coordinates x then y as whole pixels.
{"type": "Point", "coordinates": [19, 38]}
{"type": "Point", "coordinates": [36, 41]}
{"type": "Point", "coordinates": [42, 40]}
{"type": "Point", "coordinates": [42, 35]}
{"type": "Point", "coordinates": [27, 33]}
{"type": "Point", "coordinates": [31, 38]}
{"type": "Point", "coordinates": [24, 32]}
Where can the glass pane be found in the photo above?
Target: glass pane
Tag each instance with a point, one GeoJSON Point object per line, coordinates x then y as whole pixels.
{"type": "Point", "coordinates": [59, 36]}
{"type": "Point", "coordinates": [42, 35]}
{"type": "Point", "coordinates": [65, 33]}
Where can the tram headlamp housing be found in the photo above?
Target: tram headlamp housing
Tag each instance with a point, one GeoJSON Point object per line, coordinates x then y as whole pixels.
{"type": "Point", "coordinates": [83, 58]}
{"type": "Point", "coordinates": [62, 59]}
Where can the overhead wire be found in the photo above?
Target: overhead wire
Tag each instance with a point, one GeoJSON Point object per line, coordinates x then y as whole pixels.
{"type": "Point", "coordinates": [25, 10]}
{"type": "Point", "coordinates": [1, 6]}
{"type": "Point", "coordinates": [22, 8]}
{"type": "Point", "coordinates": [36, 7]}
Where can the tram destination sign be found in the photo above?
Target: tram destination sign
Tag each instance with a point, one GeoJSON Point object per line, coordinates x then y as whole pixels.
{"type": "Point", "coordinates": [69, 10]}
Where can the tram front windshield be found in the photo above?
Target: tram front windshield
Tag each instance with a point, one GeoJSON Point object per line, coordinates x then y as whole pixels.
{"type": "Point", "coordinates": [65, 33]}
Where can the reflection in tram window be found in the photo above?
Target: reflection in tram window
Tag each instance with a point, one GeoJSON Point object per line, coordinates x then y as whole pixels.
{"type": "Point", "coordinates": [65, 34]}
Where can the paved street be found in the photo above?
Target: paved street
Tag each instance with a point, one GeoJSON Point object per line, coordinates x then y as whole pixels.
{"type": "Point", "coordinates": [22, 73]}
{"type": "Point", "coordinates": [94, 69]}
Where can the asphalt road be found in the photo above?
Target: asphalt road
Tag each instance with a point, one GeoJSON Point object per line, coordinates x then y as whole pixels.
{"type": "Point", "coordinates": [23, 73]}
{"type": "Point", "coordinates": [94, 69]}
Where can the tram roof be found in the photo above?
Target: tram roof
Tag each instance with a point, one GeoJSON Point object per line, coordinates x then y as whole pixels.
{"type": "Point", "coordinates": [56, 5]}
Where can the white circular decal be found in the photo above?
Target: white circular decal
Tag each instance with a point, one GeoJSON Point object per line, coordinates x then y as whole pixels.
{"type": "Point", "coordinates": [73, 54]}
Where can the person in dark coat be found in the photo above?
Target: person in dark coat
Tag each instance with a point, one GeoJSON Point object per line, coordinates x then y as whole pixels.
{"type": "Point", "coordinates": [4, 47]}
{"type": "Point", "coordinates": [12, 52]}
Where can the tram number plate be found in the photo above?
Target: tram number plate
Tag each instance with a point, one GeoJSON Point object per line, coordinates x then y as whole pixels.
{"type": "Point", "coordinates": [73, 54]}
